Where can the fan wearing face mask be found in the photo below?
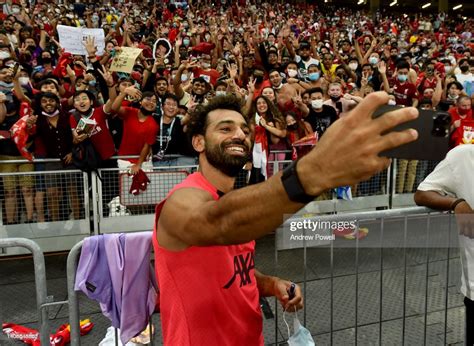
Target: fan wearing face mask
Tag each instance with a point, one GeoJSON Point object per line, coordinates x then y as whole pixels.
{"type": "Point", "coordinates": [292, 75]}
{"type": "Point", "coordinates": [337, 101]}
{"type": "Point", "coordinates": [462, 121]}
{"type": "Point", "coordinates": [466, 78]}
{"type": "Point", "coordinates": [405, 92]}
{"type": "Point", "coordinates": [320, 116]}
{"type": "Point", "coordinates": [313, 78]}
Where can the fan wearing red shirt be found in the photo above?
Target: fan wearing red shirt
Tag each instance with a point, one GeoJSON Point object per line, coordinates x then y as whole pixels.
{"type": "Point", "coordinates": [461, 119]}
{"type": "Point", "coordinates": [427, 80]}
{"type": "Point", "coordinates": [139, 127]}
{"type": "Point", "coordinates": [405, 92]}
{"type": "Point", "coordinates": [205, 71]}
{"type": "Point", "coordinates": [100, 135]}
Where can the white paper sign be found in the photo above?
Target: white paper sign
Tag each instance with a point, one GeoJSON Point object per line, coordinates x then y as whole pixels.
{"type": "Point", "coordinates": [71, 39]}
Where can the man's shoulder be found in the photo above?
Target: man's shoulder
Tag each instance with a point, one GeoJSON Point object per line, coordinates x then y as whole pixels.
{"type": "Point", "coordinates": [461, 153]}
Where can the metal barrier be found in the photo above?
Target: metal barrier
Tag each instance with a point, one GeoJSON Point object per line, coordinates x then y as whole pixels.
{"type": "Point", "coordinates": [74, 320]}
{"type": "Point", "coordinates": [116, 210]}
{"type": "Point", "coordinates": [41, 205]}
{"type": "Point", "coordinates": [406, 176]}
{"type": "Point", "coordinates": [371, 194]}
{"type": "Point", "coordinates": [371, 300]}
{"type": "Point", "coordinates": [40, 281]}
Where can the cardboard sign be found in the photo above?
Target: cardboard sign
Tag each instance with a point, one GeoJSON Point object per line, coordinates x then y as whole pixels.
{"type": "Point", "coordinates": [125, 59]}
{"type": "Point", "coordinates": [71, 39]}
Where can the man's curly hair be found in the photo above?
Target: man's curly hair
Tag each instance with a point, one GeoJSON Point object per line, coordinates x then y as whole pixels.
{"type": "Point", "coordinates": [198, 122]}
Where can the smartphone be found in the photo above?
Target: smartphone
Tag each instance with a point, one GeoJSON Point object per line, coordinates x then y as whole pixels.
{"type": "Point", "coordinates": [433, 135]}
{"type": "Point", "coordinates": [292, 291]}
{"type": "Point", "coordinates": [15, 68]}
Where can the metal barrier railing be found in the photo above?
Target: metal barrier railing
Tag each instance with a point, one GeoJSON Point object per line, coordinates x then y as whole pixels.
{"type": "Point", "coordinates": [73, 301]}
{"type": "Point", "coordinates": [405, 230]}
{"type": "Point", "coordinates": [116, 210]}
{"type": "Point", "coordinates": [40, 281]}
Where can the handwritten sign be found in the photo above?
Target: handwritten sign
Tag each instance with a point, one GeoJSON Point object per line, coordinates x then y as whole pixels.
{"type": "Point", "coordinates": [71, 39]}
{"type": "Point", "coordinates": [125, 59]}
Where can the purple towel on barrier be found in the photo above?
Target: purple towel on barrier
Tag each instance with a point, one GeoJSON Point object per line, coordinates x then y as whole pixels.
{"type": "Point", "coordinates": [114, 269]}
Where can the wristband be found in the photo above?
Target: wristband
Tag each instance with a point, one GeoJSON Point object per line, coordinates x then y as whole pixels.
{"type": "Point", "coordinates": [456, 202]}
{"type": "Point", "coordinates": [292, 185]}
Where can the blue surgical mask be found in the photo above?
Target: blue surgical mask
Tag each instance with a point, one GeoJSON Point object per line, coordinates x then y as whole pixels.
{"type": "Point", "coordinates": [373, 60]}
{"type": "Point", "coordinates": [186, 42]}
{"type": "Point", "coordinates": [92, 83]}
{"type": "Point", "coordinates": [313, 76]}
{"type": "Point", "coordinates": [402, 77]}
{"type": "Point", "coordinates": [301, 336]}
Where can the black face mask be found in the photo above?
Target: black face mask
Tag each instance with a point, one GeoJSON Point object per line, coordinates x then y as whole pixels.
{"type": "Point", "coordinates": [335, 98]}
{"type": "Point", "coordinates": [47, 60]}
{"type": "Point", "coordinates": [259, 79]}
{"type": "Point", "coordinates": [146, 111]}
{"type": "Point", "coordinates": [464, 68]}
{"type": "Point", "coordinates": [292, 127]}
{"type": "Point", "coordinates": [87, 113]}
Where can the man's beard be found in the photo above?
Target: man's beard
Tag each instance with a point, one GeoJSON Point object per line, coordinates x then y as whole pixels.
{"type": "Point", "coordinates": [228, 164]}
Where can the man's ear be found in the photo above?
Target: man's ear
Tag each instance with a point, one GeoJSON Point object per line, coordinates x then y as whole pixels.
{"type": "Point", "coordinates": [199, 143]}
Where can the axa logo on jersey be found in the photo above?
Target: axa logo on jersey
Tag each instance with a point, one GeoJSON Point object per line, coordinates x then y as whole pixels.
{"type": "Point", "coordinates": [243, 264]}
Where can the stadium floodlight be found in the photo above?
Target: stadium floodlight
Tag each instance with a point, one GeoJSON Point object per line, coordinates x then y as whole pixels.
{"type": "Point", "coordinates": [428, 4]}
{"type": "Point", "coordinates": [393, 3]}
{"type": "Point", "coordinates": [457, 7]}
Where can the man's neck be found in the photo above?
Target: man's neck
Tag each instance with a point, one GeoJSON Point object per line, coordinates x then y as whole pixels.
{"type": "Point", "coordinates": [218, 179]}
{"type": "Point", "coordinates": [167, 119]}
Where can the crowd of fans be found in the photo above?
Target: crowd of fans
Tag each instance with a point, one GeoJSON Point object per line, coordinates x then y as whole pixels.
{"type": "Point", "coordinates": [297, 69]}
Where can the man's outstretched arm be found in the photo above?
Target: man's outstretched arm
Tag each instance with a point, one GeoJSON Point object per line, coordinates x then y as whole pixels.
{"type": "Point", "coordinates": [347, 154]}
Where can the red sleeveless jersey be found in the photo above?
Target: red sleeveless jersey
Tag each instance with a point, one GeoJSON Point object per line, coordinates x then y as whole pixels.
{"type": "Point", "coordinates": [208, 294]}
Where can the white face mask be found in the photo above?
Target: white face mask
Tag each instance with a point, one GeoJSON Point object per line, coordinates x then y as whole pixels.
{"type": "Point", "coordinates": [353, 66]}
{"type": "Point", "coordinates": [24, 80]}
{"type": "Point", "coordinates": [448, 69]}
{"type": "Point", "coordinates": [292, 73]}
{"type": "Point", "coordinates": [4, 54]}
{"type": "Point", "coordinates": [51, 115]}
{"type": "Point", "coordinates": [16, 10]}
{"type": "Point", "coordinates": [278, 87]}
{"type": "Point", "coordinates": [317, 104]}
{"type": "Point", "coordinates": [220, 93]}
{"type": "Point", "coordinates": [392, 102]}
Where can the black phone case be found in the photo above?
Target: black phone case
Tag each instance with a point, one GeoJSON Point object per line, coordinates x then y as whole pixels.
{"type": "Point", "coordinates": [433, 135]}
